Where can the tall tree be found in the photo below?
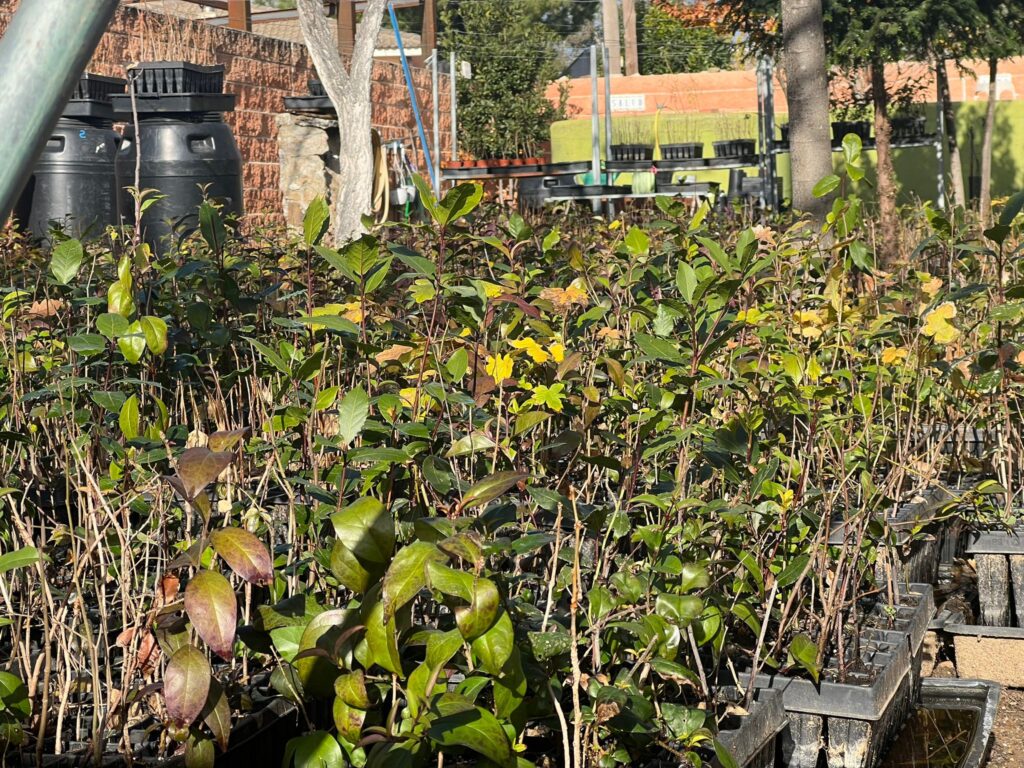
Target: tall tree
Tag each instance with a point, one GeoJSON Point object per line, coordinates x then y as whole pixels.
{"type": "Point", "coordinates": [348, 88]}
{"type": "Point", "coordinates": [803, 45]}
{"type": "Point", "coordinates": [515, 48]}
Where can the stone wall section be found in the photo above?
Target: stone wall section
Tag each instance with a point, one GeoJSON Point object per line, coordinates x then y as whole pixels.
{"type": "Point", "coordinates": [262, 71]}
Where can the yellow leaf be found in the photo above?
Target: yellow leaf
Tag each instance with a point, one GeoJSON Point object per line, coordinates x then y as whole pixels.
{"type": "Point", "coordinates": [937, 324]}
{"type": "Point", "coordinates": [891, 355]}
{"type": "Point", "coordinates": [532, 348]}
{"type": "Point", "coordinates": [499, 368]}
{"type": "Point", "coordinates": [557, 351]}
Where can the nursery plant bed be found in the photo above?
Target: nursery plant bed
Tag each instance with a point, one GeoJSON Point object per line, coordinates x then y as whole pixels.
{"type": "Point", "coordinates": [734, 148]}
{"type": "Point", "coordinates": [753, 744]}
{"type": "Point", "coordinates": [852, 721]}
{"type": "Point", "coordinates": [258, 738]}
{"type": "Point", "coordinates": [632, 153]}
{"type": "Point", "coordinates": [687, 151]}
{"type": "Point", "coordinates": [955, 719]}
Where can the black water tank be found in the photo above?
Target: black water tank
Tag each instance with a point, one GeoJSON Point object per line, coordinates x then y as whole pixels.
{"type": "Point", "coordinates": [73, 185]}
{"type": "Point", "coordinates": [186, 151]}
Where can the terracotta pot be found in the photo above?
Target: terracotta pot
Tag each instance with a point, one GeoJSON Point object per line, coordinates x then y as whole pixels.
{"type": "Point", "coordinates": [481, 163]}
{"type": "Point", "coordinates": [503, 162]}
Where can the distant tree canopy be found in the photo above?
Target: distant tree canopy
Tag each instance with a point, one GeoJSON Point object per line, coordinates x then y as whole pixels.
{"type": "Point", "coordinates": [681, 37]}
{"type": "Point", "coordinates": [515, 48]}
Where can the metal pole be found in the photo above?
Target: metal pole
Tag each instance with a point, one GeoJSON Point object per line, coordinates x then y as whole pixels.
{"type": "Point", "coordinates": [455, 111]}
{"type": "Point", "coordinates": [607, 107]}
{"type": "Point", "coordinates": [437, 117]}
{"type": "Point", "coordinates": [412, 97]}
{"type": "Point", "coordinates": [940, 151]}
{"type": "Point", "coordinates": [47, 47]}
{"type": "Point", "coordinates": [595, 121]}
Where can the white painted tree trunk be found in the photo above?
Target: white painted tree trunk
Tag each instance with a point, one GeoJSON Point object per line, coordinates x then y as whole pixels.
{"type": "Point", "coordinates": [349, 91]}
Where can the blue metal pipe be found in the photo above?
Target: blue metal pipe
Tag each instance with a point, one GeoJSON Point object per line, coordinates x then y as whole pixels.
{"type": "Point", "coordinates": [415, 103]}
{"type": "Point", "coordinates": [45, 50]}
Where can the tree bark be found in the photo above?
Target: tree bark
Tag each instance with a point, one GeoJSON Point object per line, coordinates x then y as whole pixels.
{"type": "Point", "coordinates": [349, 91]}
{"type": "Point", "coordinates": [629, 37]}
{"type": "Point", "coordinates": [985, 198]}
{"type": "Point", "coordinates": [889, 229]}
{"type": "Point", "coordinates": [803, 40]}
{"type": "Point", "coordinates": [956, 168]}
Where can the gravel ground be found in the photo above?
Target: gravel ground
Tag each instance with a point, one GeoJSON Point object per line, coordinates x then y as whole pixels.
{"type": "Point", "coordinates": [1008, 749]}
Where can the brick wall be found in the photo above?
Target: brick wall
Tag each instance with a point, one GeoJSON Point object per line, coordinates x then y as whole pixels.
{"type": "Point", "coordinates": [261, 71]}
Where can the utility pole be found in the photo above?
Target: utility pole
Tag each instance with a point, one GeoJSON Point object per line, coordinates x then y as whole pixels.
{"type": "Point", "coordinates": [610, 24]}
{"type": "Point", "coordinates": [629, 35]}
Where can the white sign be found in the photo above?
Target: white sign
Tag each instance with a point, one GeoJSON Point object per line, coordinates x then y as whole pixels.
{"type": "Point", "coordinates": [631, 103]}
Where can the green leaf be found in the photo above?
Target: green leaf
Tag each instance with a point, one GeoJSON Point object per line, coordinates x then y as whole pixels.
{"type": "Point", "coordinates": [14, 697]}
{"type": "Point", "coordinates": [724, 756]}
{"type": "Point", "coordinates": [314, 750]}
{"type": "Point", "coordinates": [272, 357]}
{"type": "Point", "coordinates": [470, 444]}
{"type": "Point", "coordinates": [325, 399]}
{"type": "Point", "coordinates": [212, 608]}
{"type": "Point", "coordinates": [793, 570]}
{"type": "Point", "coordinates": [244, 553]}
{"type": "Point", "coordinates": [490, 488]}
{"type": "Point", "coordinates": [459, 202]}
{"type": "Point", "coordinates": [527, 420]}
{"type": "Point", "coordinates": [637, 241]}
{"type": "Point", "coordinates": [475, 729]}
{"type": "Point", "coordinates": [352, 415]}
{"type": "Point", "coordinates": [335, 323]}
{"type": "Point", "coordinates": [314, 223]}
{"type": "Point", "coordinates": [678, 609]}
{"type": "Point", "coordinates": [458, 364]}
{"type": "Point", "coordinates": [66, 260]}
{"type": "Point", "coordinates": [128, 419]}
{"type": "Point", "coordinates": [381, 636]}
{"type": "Point", "coordinates": [133, 343]}
{"type": "Point", "coordinates": [367, 529]}
{"type": "Point", "coordinates": [87, 343]}
{"type": "Point", "coordinates": [686, 281]}
{"type": "Point", "coordinates": [406, 575]}
{"type": "Point", "coordinates": [851, 150]}
{"type": "Point", "coordinates": [659, 348]}
{"type": "Point", "coordinates": [803, 651]}
{"type": "Point", "coordinates": [826, 186]}
{"type": "Point", "coordinates": [211, 225]}
{"type": "Point", "coordinates": [111, 325]}
{"type": "Point", "coordinates": [494, 647]}
{"type": "Point", "coordinates": [481, 594]}
{"type": "Point", "coordinates": [693, 577]}
{"type": "Point", "coordinates": [155, 331]}
{"type": "Point", "coordinates": [1011, 209]}
{"type": "Point", "coordinates": [217, 714]}
{"type": "Point", "coordinates": [186, 685]}
{"type": "Point", "coordinates": [19, 558]}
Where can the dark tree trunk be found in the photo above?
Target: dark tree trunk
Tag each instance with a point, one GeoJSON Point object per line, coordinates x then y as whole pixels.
{"type": "Point", "coordinates": [956, 168]}
{"type": "Point", "coordinates": [803, 40]}
{"type": "Point", "coordinates": [886, 172]}
{"type": "Point", "coordinates": [985, 198]}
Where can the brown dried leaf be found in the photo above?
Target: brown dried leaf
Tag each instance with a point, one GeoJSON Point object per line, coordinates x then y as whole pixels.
{"type": "Point", "coordinates": [395, 352]}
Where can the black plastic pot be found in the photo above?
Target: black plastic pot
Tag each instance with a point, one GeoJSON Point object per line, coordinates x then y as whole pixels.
{"type": "Point", "coordinates": [857, 719]}
{"type": "Point", "coordinates": [257, 739]}
{"type": "Point", "coordinates": [754, 743]}
{"type": "Point", "coordinates": [734, 148]}
{"type": "Point", "coordinates": [861, 128]}
{"type": "Point", "coordinates": [905, 128]}
{"type": "Point", "coordinates": [689, 151]}
{"type": "Point", "coordinates": [632, 153]}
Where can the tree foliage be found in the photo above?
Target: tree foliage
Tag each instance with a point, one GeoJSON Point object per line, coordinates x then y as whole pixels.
{"type": "Point", "coordinates": [672, 42]}
{"type": "Point", "coordinates": [515, 48]}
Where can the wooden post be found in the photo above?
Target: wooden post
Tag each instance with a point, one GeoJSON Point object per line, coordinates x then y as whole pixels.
{"type": "Point", "coordinates": [428, 33]}
{"type": "Point", "coordinates": [240, 14]}
{"type": "Point", "coordinates": [610, 22]}
{"type": "Point", "coordinates": [629, 37]}
{"type": "Point", "coordinates": [346, 27]}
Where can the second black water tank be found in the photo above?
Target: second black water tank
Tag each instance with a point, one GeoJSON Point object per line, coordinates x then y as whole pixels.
{"type": "Point", "coordinates": [184, 149]}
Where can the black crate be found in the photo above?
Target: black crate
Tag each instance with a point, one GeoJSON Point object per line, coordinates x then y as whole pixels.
{"type": "Point", "coordinates": [316, 88]}
{"type": "Point", "coordinates": [177, 78]}
{"type": "Point", "coordinates": [98, 88]}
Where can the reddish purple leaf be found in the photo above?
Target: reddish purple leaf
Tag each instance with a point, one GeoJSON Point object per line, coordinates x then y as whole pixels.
{"type": "Point", "coordinates": [211, 606]}
{"type": "Point", "coordinates": [198, 467]}
{"type": "Point", "coordinates": [186, 685]}
{"type": "Point", "coordinates": [244, 553]}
